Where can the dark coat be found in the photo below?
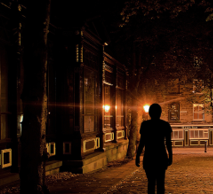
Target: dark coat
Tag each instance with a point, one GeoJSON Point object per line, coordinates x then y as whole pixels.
{"type": "Point", "coordinates": [154, 134]}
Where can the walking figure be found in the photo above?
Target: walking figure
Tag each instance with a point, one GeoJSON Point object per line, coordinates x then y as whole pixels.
{"type": "Point", "coordinates": [155, 161]}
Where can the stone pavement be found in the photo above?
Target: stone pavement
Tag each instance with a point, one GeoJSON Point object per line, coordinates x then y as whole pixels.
{"type": "Point", "coordinates": [190, 173]}
{"type": "Point", "coordinates": [96, 182]}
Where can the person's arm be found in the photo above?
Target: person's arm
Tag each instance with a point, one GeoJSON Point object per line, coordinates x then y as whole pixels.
{"type": "Point", "coordinates": [169, 146]}
{"type": "Point", "coordinates": [140, 149]}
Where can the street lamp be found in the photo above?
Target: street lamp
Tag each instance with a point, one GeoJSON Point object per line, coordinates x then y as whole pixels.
{"type": "Point", "coordinates": [106, 108]}
{"type": "Point", "coordinates": [146, 109]}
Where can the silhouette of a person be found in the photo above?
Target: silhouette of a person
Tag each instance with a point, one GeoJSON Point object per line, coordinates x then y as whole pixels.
{"type": "Point", "coordinates": [155, 161]}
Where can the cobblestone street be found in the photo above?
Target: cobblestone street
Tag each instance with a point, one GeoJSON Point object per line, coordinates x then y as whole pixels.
{"type": "Point", "coordinates": [189, 174]}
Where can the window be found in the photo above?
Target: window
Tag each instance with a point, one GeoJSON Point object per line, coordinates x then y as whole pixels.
{"type": "Point", "coordinates": [198, 86]}
{"type": "Point", "coordinates": [108, 97]}
{"type": "Point", "coordinates": [177, 135]}
{"type": "Point", "coordinates": [174, 112]}
{"type": "Point", "coordinates": [120, 108]}
{"type": "Point", "coordinates": [4, 133]}
{"type": "Point", "coordinates": [107, 107]}
{"type": "Point", "coordinates": [198, 112]}
{"type": "Point", "coordinates": [89, 100]}
{"type": "Point", "coordinates": [199, 134]}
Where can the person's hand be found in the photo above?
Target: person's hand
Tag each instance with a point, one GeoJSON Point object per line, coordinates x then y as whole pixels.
{"type": "Point", "coordinates": [137, 161]}
{"type": "Point", "coordinates": [169, 161]}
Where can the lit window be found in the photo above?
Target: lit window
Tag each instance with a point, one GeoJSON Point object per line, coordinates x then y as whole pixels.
{"type": "Point", "coordinates": [119, 108]}
{"type": "Point", "coordinates": [177, 135]}
{"type": "Point", "coordinates": [198, 112]}
{"type": "Point", "coordinates": [199, 134]}
{"type": "Point", "coordinates": [107, 107]}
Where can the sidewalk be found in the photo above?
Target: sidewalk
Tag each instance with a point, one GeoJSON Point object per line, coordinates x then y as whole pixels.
{"type": "Point", "coordinates": [96, 182]}
{"type": "Point", "coordinates": [201, 150]}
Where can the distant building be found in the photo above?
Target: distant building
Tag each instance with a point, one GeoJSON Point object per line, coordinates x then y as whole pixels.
{"type": "Point", "coordinates": [192, 122]}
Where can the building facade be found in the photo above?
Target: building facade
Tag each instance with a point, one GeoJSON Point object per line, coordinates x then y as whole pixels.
{"type": "Point", "coordinates": [86, 89]}
{"type": "Point", "coordinates": [91, 106]}
{"type": "Point", "coordinates": [191, 120]}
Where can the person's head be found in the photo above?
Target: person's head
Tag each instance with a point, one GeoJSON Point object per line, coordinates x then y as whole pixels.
{"type": "Point", "coordinates": [155, 111]}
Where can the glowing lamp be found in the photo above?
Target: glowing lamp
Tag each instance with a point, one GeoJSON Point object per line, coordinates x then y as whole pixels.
{"type": "Point", "coordinates": [106, 108]}
{"type": "Point", "coordinates": [146, 108]}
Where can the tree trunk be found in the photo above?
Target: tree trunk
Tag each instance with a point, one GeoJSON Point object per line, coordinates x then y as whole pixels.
{"type": "Point", "coordinates": [33, 139]}
{"type": "Point", "coordinates": [133, 130]}
{"type": "Point", "coordinates": [134, 109]}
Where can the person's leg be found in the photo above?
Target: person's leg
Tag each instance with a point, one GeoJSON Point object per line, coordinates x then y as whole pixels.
{"type": "Point", "coordinates": [151, 181]}
{"type": "Point", "coordinates": [161, 181]}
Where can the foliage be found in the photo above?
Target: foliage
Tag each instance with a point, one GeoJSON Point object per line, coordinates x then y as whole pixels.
{"type": "Point", "coordinates": [160, 41]}
{"type": "Point", "coordinates": [163, 37]}
{"type": "Point", "coordinates": [157, 8]}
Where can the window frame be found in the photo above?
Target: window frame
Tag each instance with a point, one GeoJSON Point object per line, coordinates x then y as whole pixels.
{"type": "Point", "coordinates": [109, 116]}
{"type": "Point", "coordinates": [92, 114]}
{"type": "Point", "coordinates": [198, 112]}
{"type": "Point", "coordinates": [177, 130]}
{"type": "Point", "coordinates": [174, 110]}
{"type": "Point", "coordinates": [198, 130]}
{"type": "Point", "coordinates": [122, 107]}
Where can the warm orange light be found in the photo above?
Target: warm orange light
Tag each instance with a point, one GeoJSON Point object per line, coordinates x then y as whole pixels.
{"type": "Point", "coordinates": [106, 108]}
{"type": "Point", "coordinates": [146, 108]}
